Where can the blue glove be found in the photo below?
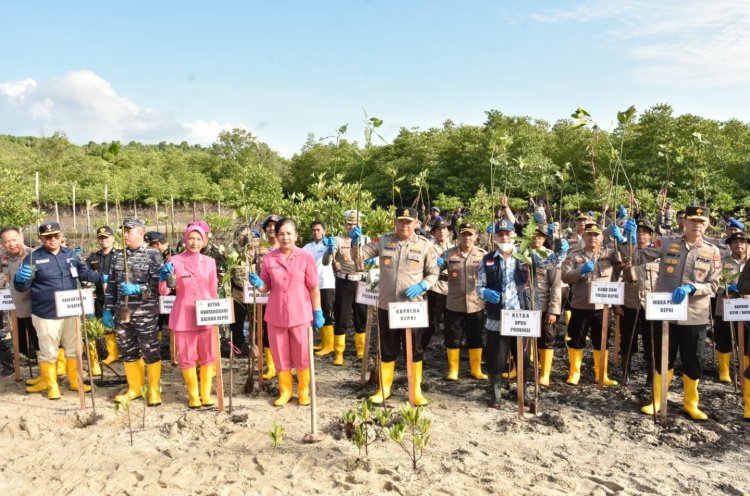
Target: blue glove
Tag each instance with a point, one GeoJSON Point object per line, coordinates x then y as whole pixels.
{"type": "Point", "coordinates": [355, 235]}
{"type": "Point", "coordinates": [631, 227]}
{"type": "Point", "coordinates": [681, 292]}
{"type": "Point", "coordinates": [441, 262]}
{"type": "Point", "coordinates": [550, 229]}
{"type": "Point", "coordinates": [23, 274]}
{"type": "Point", "coordinates": [490, 296]}
{"type": "Point", "coordinates": [130, 289]}
{"type": "Point", "coordinates": [617, 234]}
{"type": "Point", "coordinates": [371, 261]}
{"type": "Point", "coordinates": [255, 280]}
{"type": "Point", "coordinates": [166, 269]}
{"type": "Point", "coordinates": [78, 250]}
{"type": "Point", "coordinates": [329, 242]}
{"type": "Point", "coordinates": [105, 278]}
{"type": "Point", "coordinates": [490, 229]}
{"type": "Point", "coordinates": [587, 267]}
{"type": "Point", "coordinates": [416, 290]}
{"type": "Point", "coordinates": [564, 246]}
{"type": "Point", "coordinates": [256, 233]}
{"type": "Point", "coordinates": [622, 212]}
{"type": "Point", "coordinates": [732, 288]}
{"type": "Point", "coordinates": [108, 320]}
{"type": "Point", "coordinates": [318, 319]}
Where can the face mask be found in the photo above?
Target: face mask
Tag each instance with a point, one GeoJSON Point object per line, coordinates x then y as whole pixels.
{"type": "Point", "coordinates": [504, 247]}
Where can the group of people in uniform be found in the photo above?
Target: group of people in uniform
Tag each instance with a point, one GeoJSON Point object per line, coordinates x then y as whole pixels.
{"type": "Point", "coordinates": [467, 282]}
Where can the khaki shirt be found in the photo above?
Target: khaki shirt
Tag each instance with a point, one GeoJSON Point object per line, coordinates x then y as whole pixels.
{"type": "Point", "coordinates": [21, 299]}
{"type": "Point", "coordinates": [635, 292]}
{"type": "Point", "coordinates": [402, 264]}
{"type": "Point", "coordinates": [699, 265]}
{"type": "Point", "coordinates": [604, 270]}
{"type": "Point", "coordinates": [342, 256]}
{"type": "Point", "coordinates": [548, 282]}
{"type": "Point", "coordinates": [441, 286]}
{"type": "Point", "coordinates": [734, 267]}
{"type": "Point", "coordinates": [463, 270]}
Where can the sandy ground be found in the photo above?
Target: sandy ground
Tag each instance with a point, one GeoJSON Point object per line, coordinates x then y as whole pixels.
{"type": "Point", "coordinates": [584, 442]}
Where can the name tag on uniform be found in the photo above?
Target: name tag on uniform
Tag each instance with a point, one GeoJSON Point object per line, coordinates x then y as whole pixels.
{"type": "Point", "coordinates": [414, 256]}
{"type": "Point", "coordinates": [73, 272]}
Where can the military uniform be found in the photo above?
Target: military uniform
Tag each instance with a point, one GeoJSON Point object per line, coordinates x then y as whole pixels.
{"type": "Point", "coordinates": [464, 314]}
{"type": "Point", "coordinates": [437, 294]}
{"type": "Point", "coordinates": [256, 255]}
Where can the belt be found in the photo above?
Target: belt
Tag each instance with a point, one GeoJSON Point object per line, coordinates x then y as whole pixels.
{"type": "Point", "coordinates": [350, 277]}
{"type": "Point", "coordinates": [443, 277]}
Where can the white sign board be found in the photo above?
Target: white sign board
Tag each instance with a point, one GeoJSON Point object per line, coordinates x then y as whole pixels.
{"type": "Point", "coordinates": [607, 293]}
{"type": "Point", "coordinates": [166, 303]}
{"type": "Point", "coordinates": [407, 315]}
{"type": "Point", "coordinates": [68, 303]}
{"type": "Point", "coordinates": [214, 312]}
{"type": "Point", "coordinates": [247, 295]}
{"type": "Point", "coordinates": [6, 302]}
{"type": "Point", "coordinates": [367, 296]}
{"type": "Point", "coordinates": [374, 275]}
{"type": "Point", "coordinates": [522, 323]}
{"type": "Point", "coordinates": [659, 306]}
{"type": "Point", "coordinates": [736, 309]}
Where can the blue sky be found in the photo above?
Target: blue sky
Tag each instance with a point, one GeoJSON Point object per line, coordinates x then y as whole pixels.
{"type": "Point", "coordinates": [174, 71]}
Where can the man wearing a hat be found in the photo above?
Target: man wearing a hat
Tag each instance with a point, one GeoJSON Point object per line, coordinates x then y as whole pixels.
{"type": "Point", "coordinates": [259, 251]}
{"type": "Point", "coordinates": [131, 308]}
{"type": "Point", "coordinates": [50, 268]}
{"type": "Point", "coordinates": [464, 314]}
{"type": "Point", "coordinates": [689, 268]}
{"type": "Point", "coordinates": [576, 239]}
{"type": "Point", "coordinates": [590, 263]}
{"type": "Point", "coordinates": [101, 261]}
{"type": "Point", "coordinates": [408, 268]}
{"type": "Point", "coordinates": [633, 312]}
{"type": "Point", "coordinates": [438, 292]}
{"type": "Point", "coordinates": [158, 241]}
{"type": "Point", "coordinates": [346, 310]}
{"type": "Point", "coordinates": [733, 263]}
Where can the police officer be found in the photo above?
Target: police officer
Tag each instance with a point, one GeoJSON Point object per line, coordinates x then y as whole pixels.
{"type": "Point", "coordinates": [131, 308]}
{"type": "Point", "coordinates": [56, 268]}
{"type": "Point", "coordinates": [583, 266]}
{"type": "Point", "coordinates": [733, 263]}
{"type": "Point", "coordinates": [158, 241]}
{"type": "Point", "coordinates": [689, 267]}
{"type": "Point", "coordinates": [260, 250]}
{"type": "Point", "coordinates": [345, 307]}
{"type": "Point", "coordinates": [100, 261]}
{"type": "Point", "coordinates": [437, 294]}
{"type": "Point", "coordinates": [548, 282]}
{"type": "Point", "coordinates": [239, 273]}
{"type": "Point", "coordinates": [408, 268]}
{"type": "Point", "coordinates": [464, 314]}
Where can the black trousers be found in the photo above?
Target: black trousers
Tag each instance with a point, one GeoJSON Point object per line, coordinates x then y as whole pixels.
{"type": "Point", "coordinates": [723, 335]}
{"type": "Point", "coordinates": [392, 341]}
{"type": "Point", "coordinates": [690, 341]}
{"type": "Point", "coordinates": [327, 299]}
{"type": "Point", "coordinates": [458, 324]}
{"type": "Point", "coordinates": [345, 306]}
{"type": "Point", "coordinates": [238, 326]}
{"type": "Point", "coordinates": [633, 323]}
{"type": "Point", "coordinates": [547, 339]}
{"type": "Point", "coordinates": [498, 348]}
{"type": "Point", "coordinates": [585, 323]}
{"type": "Point", "coordinates": [27, 337]}
{"type": "Point", "coordinates": [436, 312]}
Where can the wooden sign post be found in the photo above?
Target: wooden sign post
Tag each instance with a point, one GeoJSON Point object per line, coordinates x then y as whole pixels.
{"type": "Point", "coordinates": [605, 294]}
{"type": "Point", "coordinates": [367, 295]}
{"type": "Point", "coordinates": [216, 312]}
{"type": "Point", "coordinates": [521, 324]}
{"type": "Point", "coordinates": [77, 303]}
{"type": "Point", "coordinates": [616, 350]}
{"type": "Point", "coordinates": [408, 315]}
{"type": "Point", "coordinates": [313, 436]}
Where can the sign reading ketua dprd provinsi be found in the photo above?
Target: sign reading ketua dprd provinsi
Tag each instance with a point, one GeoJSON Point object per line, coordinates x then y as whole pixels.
{"type": "Point", "coordinates": [659, 306]}
{"type": "Point", "coordinates": [736, 309]}
{"type": "Point", "coordinates": [607, 293]}
{"type": "Point", "coordinates": [523, 323]}
{"type": "Point", "coordinates": [407, 315]}
{"type": "Point", "coordinates": [214, 312]}
{"type": "Point", "coordinates": [166, 303]}
{"type": "Point", "coordinates": [68, 303]}
{"type": "Point", "coordinates": [6, 302]}
{"type": "Point", "coordinates": [248, 297]}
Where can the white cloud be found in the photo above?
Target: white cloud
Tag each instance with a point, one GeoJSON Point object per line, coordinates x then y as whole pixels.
{"type": "Point", "coordinates": [689, 43]}
{"type": "Point", "coordinates": [87, 108]}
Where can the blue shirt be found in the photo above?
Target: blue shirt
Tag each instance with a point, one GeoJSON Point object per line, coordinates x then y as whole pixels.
{"type": "Point", "coordinates": [53, 273]}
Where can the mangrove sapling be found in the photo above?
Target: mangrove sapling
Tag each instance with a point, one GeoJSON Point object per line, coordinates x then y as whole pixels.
{"type": "Point", "coordinates": [364, 427]}
{"type": "Point", "coordinates": [277, 435]}
{"type": "Point", "coordinates": [144, 396]}
{"type": "Point", "coordinates": [412, 429]}
{"type": "Point", "coordinates": [124, 405]}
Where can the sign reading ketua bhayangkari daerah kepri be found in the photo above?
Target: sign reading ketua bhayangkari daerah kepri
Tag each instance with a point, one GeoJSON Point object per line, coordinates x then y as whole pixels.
{"type": "Point", "coordinates": [214, 312]}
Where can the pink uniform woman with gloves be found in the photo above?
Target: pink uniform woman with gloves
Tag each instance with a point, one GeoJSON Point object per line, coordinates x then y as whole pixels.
{"type": "Point", "coordinates": [193, 277]}
{"type": "Point", "coordinates": [290, 274]}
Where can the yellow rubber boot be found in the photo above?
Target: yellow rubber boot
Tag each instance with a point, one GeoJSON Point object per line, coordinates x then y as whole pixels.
{"type": "Point", "coordinates": [53, 390]}
{"type": "Point", "coordinates": [512, 374]}
{"type": "Point", "coordinates": [154, 385]}
{"type": "Point", "coordinates": [62, 363]}
{"type": "Point", "coordinates": [96, 369]}
{"type": "Point", "coordinates": [475, 362]}
{"type": "Point", "coordinates": [384, 391]}
{"type": "Point", "coordinates": [208, 372]}
{"type": "Point", "coordinates": [655, 406]}
{"type": "Point", "coordinates": [545, 359]}
{"type": "Point", "coordinates": [575, 357]}
{"type": "Point", "coordinates": [35, 380]}
{"type": "Point", "coordinates": [191, 383]}
{"type": "Point", "coordinates": [597, 358]}
{"type": "Point", "coordinates": [285, 387]}
{"type": "Point", "coordinates": [453, 359]}
{"type": "Point", "coordinates": [41, 384]}
{"type": "Point", "coordinates": [746, 395]}
{"type": "Point", "coordinates": [359, 344]}
{"type": "Point", "coordinates": [113, 352]}
{"type": "Point", "coordinates": [135, 373]}
{"type": "Point", "coordinates": [326, 340]}
{"type": "Point", "coordinates": [723, 359]}
{"type": "Point", "coordinates": [303, 387]}
{"type": "Point", "coordinates": [71, 364]}
{"type": "Point", "coordinates": [339, 345]}
{"type": "Point", "coordinates": [419, 400]}
{"type": "Point", "coordinates": [567, 321]}
{"type": "Point", "coordinates": [690, 398]}
{"type": "Point", "coordinates": [746, 361]}
{"type": "Point", "coordinates": [270, 366]}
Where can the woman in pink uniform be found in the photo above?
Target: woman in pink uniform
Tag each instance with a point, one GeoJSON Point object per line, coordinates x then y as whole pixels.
{"type": "Point", "coordinates": [193, 276]}
{"type": "Point", "coordinates": [291, 276]}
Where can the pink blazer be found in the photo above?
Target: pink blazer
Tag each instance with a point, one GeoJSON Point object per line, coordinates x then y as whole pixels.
{"type": "Point", "coordinates": [195, 276]}
{"type": "Point", "coordinates": [290, 282]}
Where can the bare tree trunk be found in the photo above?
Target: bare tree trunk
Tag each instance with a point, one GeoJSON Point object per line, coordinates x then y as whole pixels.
{"type": "Point", "coordinates": [171, 199]}
{"type": "Point", "coordinates": [75, 228]}
{"type": "Point", "coordinates": [117, 212]}
{"type": "Point", "coordinates": [106, 204]}
{"type": "Point", "coordinates": [218, 206]}
{"type": "Point", "coordinates": [156, 214]}
{"type": "Point", "coordinates": [195, 210]}
{"type": "Point", "coordinates": [204, 209]}
{"type": "Point", "coordinates": [135, 209]}
{"type": "Point", "coordinates": [57, 213]}
{"type": "Point", "coordinates": [88, 217]}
